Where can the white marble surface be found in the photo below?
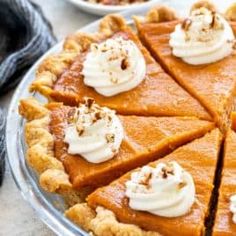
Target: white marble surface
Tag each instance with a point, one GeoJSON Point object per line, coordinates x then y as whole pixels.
{"type": "Point", "coordinates": [16, 216]}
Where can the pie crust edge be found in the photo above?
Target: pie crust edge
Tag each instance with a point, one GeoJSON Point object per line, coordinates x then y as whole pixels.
{"type": "Point", "coordinates": [103, 222]}
{"type": "Point", "coordinates": [40, 154]}
{"type": "Point", "coordinates": [162, 13]}
{"type": "Point", "coordinates": [53, 66]}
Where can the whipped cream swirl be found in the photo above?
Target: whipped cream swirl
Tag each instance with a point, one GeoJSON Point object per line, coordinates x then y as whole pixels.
{"type": "Point", "coordinates": [233, 207]}
{"type": "Point", "coordinates": [114, 66]}
{"type": "Point", "coordinates": [166, 190]}
{"type": "Point", "coordinates": [205, 37]}
{"type": "Point", "coordinates": [95, 132]}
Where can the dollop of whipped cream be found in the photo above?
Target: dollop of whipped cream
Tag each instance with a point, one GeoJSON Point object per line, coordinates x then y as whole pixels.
{"type": "Point", "coordinates": [94, 132]}
{"type": "Point", "coordinates": [114, 66]}
{"type": "Point", "coordinates": [233, 207]}
{"type": "Point", "coordinates": [166, 190]}
{"type": "Point", "coordinates": [205, 37]}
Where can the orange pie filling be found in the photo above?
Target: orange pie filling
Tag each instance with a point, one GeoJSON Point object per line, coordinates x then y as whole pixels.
{"type": "Point", "coordinates": [118, 72]}
{"type": "Point", "coordinates": [95, 153]}
{"type": "Point", "coordinates": [169, 196]}
{"type": "Point", "coordinates": [198, 52]}
{"type": "Point", "coordinates": [89, 145]}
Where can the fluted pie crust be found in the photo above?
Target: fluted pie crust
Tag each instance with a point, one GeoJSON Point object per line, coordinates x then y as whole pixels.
{"type": "Point", "coordinates": [40, 153]}
{"type": "Point", "coordinates": [96, 214]}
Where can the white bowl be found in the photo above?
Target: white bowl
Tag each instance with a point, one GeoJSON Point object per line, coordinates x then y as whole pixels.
{"type": "Point", "coordinates": [101, 10]}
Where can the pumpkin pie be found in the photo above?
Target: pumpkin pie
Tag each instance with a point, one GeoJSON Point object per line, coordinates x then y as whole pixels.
{"type": "Point", "coordinates": [108, 211]}
{"type": "Point", "coordinates": [48, 151]}
{"type": "Point", "coordinates": [61, 77]}
{"type": "Point", "coordinates": [224, 223]}
{"type": "Point", "coordinates": [213, 84]}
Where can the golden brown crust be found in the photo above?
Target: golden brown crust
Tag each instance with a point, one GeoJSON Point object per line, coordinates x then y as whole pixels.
{"type": "Point", "coordinates": [230, 13]}
{"type": "Point", "coordinates": [40, 153]}
{"type": "Point", "coordinates": [157, 14]}
{"type": "Point", "coordinates": [50, 69]}
{"type": "Point", "coordinates": [29, 109]}
{"type": "Point", "coordinates": [103, 222]}
{"type": "Point", "coordinates": [111, 24]}
{"type": "Point", "coordinates": [78, 42]}
{"type": "Point", "coordinates": [53, 66]}
{"type": "Point", "coordinates": [163, 13]}
{"type": "Point", "coordinates": [203, 3]}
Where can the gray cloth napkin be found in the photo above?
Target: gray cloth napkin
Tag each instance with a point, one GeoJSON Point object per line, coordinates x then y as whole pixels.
{"type": "Point", "coordinates": [2, 144]}
{"type": "Point", "coordinates": [25, 35]}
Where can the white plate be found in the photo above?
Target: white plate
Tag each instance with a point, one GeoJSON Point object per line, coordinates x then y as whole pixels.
{"type": "Point", "coordinates": [101, 10]}
{"type": "Point", "coordinates": [181, 5]}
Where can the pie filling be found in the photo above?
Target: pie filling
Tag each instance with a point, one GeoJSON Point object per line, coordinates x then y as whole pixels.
{"type": "Point", "coordinates": [89, 145]}
{"type": "Point", "coordinates": [120, 141]}
{"type": "Point", "coordinates": [142, 98]}
{"type": "Point", "coordinates": [199, 159]}
{"type": "Point", "coordinates": [180, 51]}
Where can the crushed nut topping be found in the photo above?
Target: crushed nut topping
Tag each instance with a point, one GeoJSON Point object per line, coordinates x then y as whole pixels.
{"type": "Point", "coordinates": [71, 116]}
{"type": "Point", "coordinates": [215, 23]}
{"type": "Point", "coordinates": [109, 118]}
{"type": "Point", "coordinates": [204, 31]}
{"type": "Point", "coordinates": [80, 129]}
{"type": "Point", "coordinates": [182, 185]}
{"type": "Point", "coordinates": [91, 113]}
{"type": "Point", "coordinates": [124, 64]}
{"type": "Point", "coordinates": [146, 179]}
{"type": "Point", "coordinates": [89, 102]}
{"type": "Point", "coordinates": [186, 24]}
{"type": "Point", "coordinates": [98, 115]}
{"type": "Point", "coordinates": [114, 80]}
{"type": "Point", "coordinates": [110, 138]}
{"type": "Point", "coordinates": [166, 171]}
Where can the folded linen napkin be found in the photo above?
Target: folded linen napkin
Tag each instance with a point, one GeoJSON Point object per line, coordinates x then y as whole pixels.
{"type": "Point", "coordinates": [25, 35]}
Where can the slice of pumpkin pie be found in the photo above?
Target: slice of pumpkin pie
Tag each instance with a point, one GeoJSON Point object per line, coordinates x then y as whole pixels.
{"type": "Point", "coordinates": [112, 67]}
{"type": "Point", "coordinates": [168, 197]}
{"type": "Point", "coordinates": [197, 51]}
{"type": "Point", "coordinates": [89, 145]}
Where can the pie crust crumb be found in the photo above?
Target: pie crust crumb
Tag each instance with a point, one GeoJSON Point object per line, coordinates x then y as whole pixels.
{"type": "Point", "coordinates": [103, 222]}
